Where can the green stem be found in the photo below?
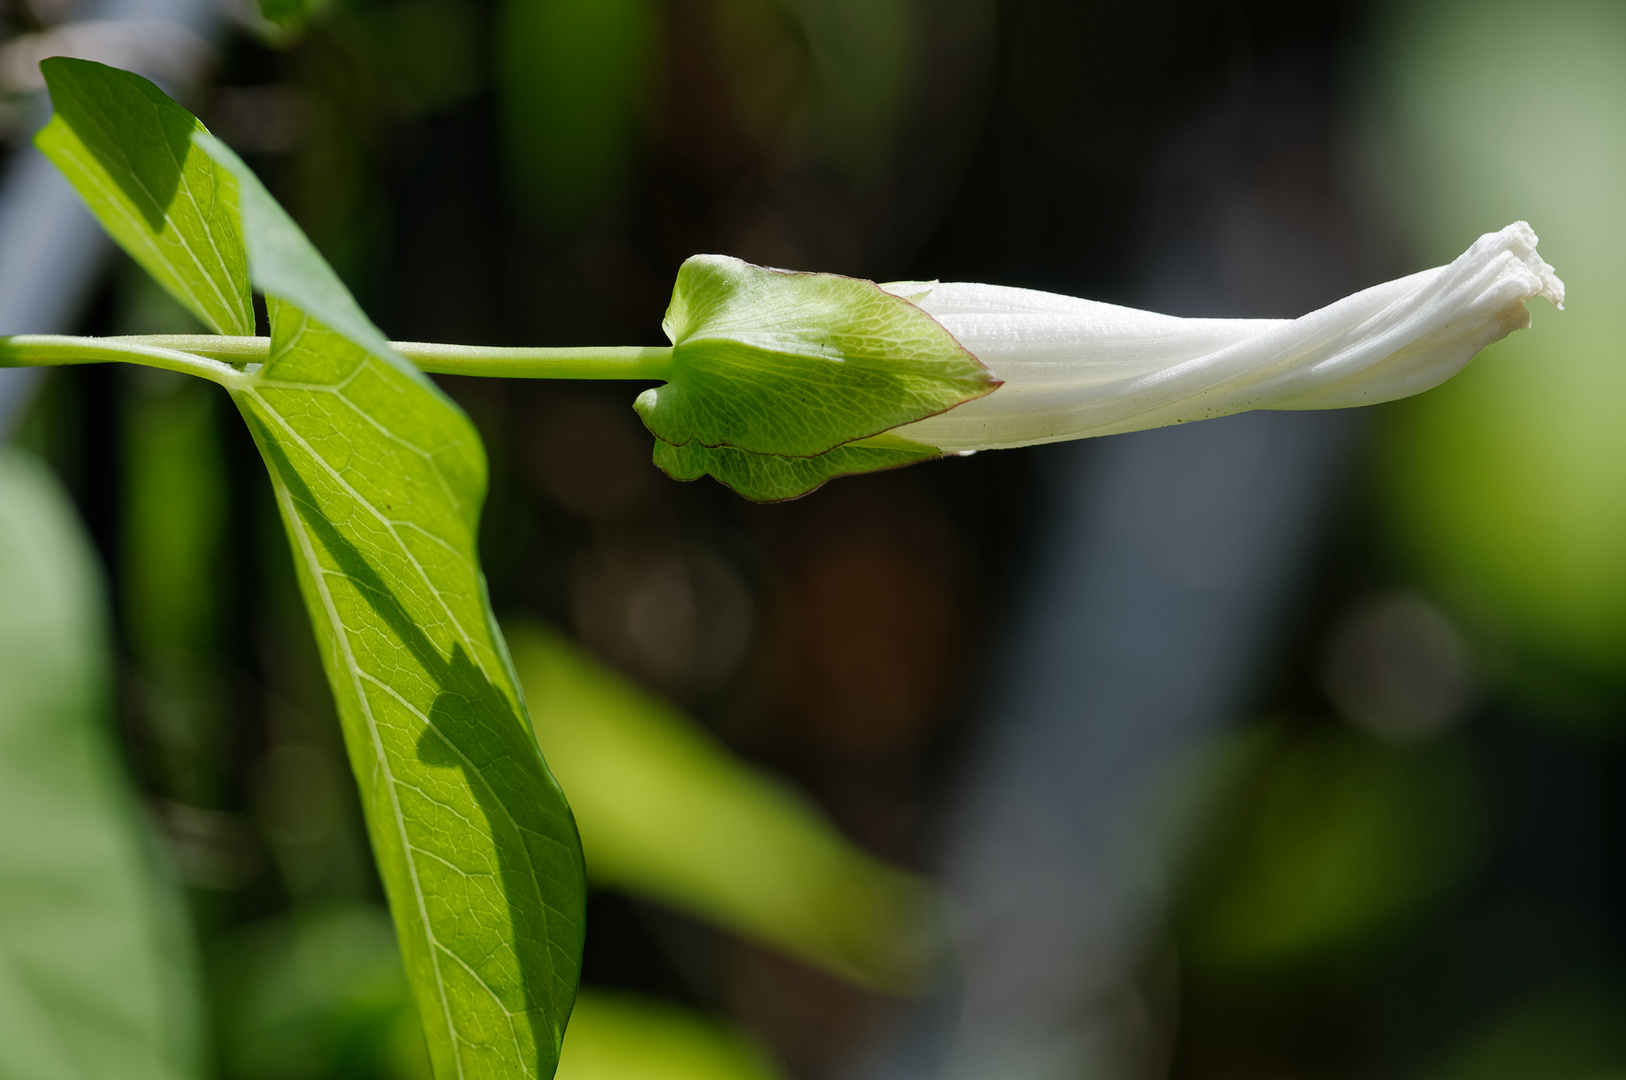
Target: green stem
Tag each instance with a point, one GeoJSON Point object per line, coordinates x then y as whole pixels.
{"type": "Point", "coordinates": [592, 362]}
{"type": "Point", "coordinates": [52, 350]}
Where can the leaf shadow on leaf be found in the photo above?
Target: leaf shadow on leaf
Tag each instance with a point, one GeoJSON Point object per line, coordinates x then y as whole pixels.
{"type": "Point", "coordinates": [458, 735]}
{"type": "Point", "coordinates": [450, 718]}
{"type": "Point", "coordinates": [152, 181]}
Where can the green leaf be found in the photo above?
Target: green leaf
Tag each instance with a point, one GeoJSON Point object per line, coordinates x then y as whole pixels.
{"type": "Point", "coordinates": [96, 967]}
{"type": "Point", "coordinates": [380, 480]}
{"type": "Point", "coordinates": [771, 478]}
{"type": "Point", "coordinates": [795, 364]}
{"type": "Point", "coordinates": [127, 149]}
{"type": "Point", "coordinates": [667, 812]}
{"type": "Point", "coordinates": [619, 1037]}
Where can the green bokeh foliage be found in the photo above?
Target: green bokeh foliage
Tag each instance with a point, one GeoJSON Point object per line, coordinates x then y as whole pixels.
{"type": "Point", "coordinates": [1508, 485]}
{"type": "Point", "coordinates": [97, 973]}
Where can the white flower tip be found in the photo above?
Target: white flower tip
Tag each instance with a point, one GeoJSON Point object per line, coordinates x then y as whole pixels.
{"type": "Point", "coordinates": [1519, 240]}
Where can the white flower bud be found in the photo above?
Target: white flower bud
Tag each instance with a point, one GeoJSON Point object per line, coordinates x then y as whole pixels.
{"type": "Point", "coordinates": [1076, 368]}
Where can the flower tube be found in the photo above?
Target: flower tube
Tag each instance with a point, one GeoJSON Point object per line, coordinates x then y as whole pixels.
{"type": "Point", "coordinates": [1074, 368]}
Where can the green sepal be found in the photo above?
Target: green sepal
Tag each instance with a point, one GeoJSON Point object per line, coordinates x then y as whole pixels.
{"type": "Point", "coordinates": [128, 151]}
{"type": "Point", "coordinates": [774, 478]}
{"type": "Point", "coordinates": [774, 362]}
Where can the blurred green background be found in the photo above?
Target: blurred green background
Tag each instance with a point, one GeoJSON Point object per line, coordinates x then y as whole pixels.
{"type": "Point", "coordinates": [1412, 865]}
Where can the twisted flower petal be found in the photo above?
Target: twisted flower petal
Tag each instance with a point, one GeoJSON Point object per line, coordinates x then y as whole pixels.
{"type": "Point", "coordinates": [1076, 368]}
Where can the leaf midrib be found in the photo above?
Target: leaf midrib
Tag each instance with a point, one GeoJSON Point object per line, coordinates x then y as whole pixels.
{"type": "Point", "coordinates": [356, 673]}
{"type": "Point", "coordinates": [318, 576]}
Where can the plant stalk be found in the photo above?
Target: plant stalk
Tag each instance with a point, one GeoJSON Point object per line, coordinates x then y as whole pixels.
{"type": "Point", "coordinates": [55, 350]}
{"type": "Point", "coordinates": [590, 362]}
{"type": "Point", "coordinates": [221, 358]}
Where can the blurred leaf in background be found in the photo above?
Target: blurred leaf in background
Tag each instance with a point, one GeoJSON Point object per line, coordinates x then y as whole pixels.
{"type": "Point", "coordinates": [827, 83]}
{"type": "Point", "coordinates": [315, 994]}
{"type": "Point", "coordinates": [1508, 485]}
{"type": "Point", "coordinates": [666, 812]}
{"type": "Point", "coordinates": [288, 16]}
{"type": "Point", "coordinates": [432, 52]}
{"type": "Point", "coordinates": [572, 76]}
{"type": "Point", "coordinates": [864, 65]}
{"type": "Point", "coordinates": [1558, 1033]}
{"type": "Point", "coordinates": [176, 587]}
{"type": "Point", "coordinates": [173, 575]}
{"type": "Point", "coordinates": [1335, 839]}
{"type": "Point", "coordinates": [827, 80]}
{"type": "Point", "coordinates": [96, 961]}
{"type": "Point", "coordinates": [175, 472]}
{"type": "Point", "coordinates": [319, 994]}
{"type": "Point", "coordinates": [619, 1037]}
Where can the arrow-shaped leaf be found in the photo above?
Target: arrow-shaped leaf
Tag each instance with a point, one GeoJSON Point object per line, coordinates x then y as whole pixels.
{"type": "Point", "coordinates": [380, 480]}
